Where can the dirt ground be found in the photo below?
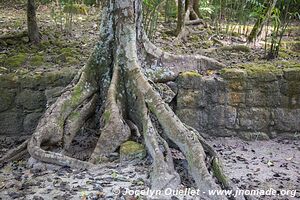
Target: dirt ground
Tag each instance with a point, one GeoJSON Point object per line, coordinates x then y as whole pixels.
{"type": "Point", "coordinates": [255, 165]}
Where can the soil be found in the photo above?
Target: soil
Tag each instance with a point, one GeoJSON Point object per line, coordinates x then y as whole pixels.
{"type": "Point", "coordinates": [251, 165]}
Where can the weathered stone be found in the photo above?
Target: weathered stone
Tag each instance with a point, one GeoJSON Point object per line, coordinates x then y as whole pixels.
{"type": "Point", "coordinates": [249, 136]}
{"type": "Point", "coordinates": [193, 117]}
{"type": "Point", "coordinates": [290, 88]}
{"type": "Point", "coordinates": [221, 132]}
{"type": "Point", "coordinates": [6, 99]}
{"type": "Point", "coordinates": [236, 85]}
{"type": "Point", "coordinates": [31, 121]}
{"type": "Point", "coordinates": [291, 74]}
{"type": "Point", "coordinates": [165, 92]}
{"type": "Point", "coordinates": [222, 116]}
{"type": "Point", "coordinates": [190, 80]}
{"type": "Point", "coordinates": [31, 100]}
{"type": "Point", "coordinates": [42, 80]}
{"type": "Point", "coordinates": [191, 99]}
{"type": "Point", "coordinates": [236, 98]}
{"type": "Point", "coordinates": [11, 123]}
{"type": "Point", "coordinates": [9, 81]}
{"type": "Point", "coordinates": [52, 94]}
{"type": "Point", "coordinates": [213, 84]}
{"type": "Point", "coordinates": [233, 73]}
{"type": "Point", "coordinates": [256, 98]}
{"type": "Point", "coordinates": [255, 119]}
{"type": "Point", "coordinates": [287, 119]}
{"type": "Point", "coordinates": [131, 150]}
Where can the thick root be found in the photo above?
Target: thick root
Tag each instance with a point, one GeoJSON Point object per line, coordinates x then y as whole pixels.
{"type": "Point", "coordinates": [16, 153]}
{"type": "Point", "coordinates": [185, 139]}
{"type": "Point", "coordinates": [174, 63]}
{"type": "Point", "coordinates": [51, 127]}
{"type": "Point", "coordinates": [116, 131]}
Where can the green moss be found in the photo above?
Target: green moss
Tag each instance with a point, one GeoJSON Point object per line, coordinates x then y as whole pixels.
{"type": "Point", "coordinates": [17, 60]}
{"type": "Point", "coordinates": [106, 116]}
{"type": "Point", "coordinates": [44, 44]}
{"type": "Point", "coordinates": [218, 171]}
{"type": "Point", "coordinates": [261, 71]}
{"type": "Point", "coordinates": [37, 60]}
{"type": "Point", "coordinates": [190, 74]}
{"type": "Point", "coordinates": [71, 60]}
{"type": "Point", "coordinates": [76, 94]}
{"type": "Point", "coordinates": [74, 115]}
{"type": "Point", "coordinates": [233, 73]}
{"type": "Point", "coordinates": [132, 150]}
{"type": "Point", "coordinates": [76, 9]}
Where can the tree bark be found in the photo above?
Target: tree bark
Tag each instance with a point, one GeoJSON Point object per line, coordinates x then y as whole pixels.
{"type": "Point", "coordinates": [262, 19]}
{"type": "Point", "coordinates": [114, 79]}
{"type": "Point", "coordinates": [33, 30]}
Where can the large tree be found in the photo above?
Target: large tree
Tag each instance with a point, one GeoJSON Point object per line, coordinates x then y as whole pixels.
{"type": "Point", "coordinates": [115, 81]}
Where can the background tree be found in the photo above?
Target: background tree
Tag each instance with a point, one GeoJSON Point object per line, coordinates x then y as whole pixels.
{"type": "Point", "coordinates": [33, 30]}
{"type": "Point", "coordinates": [262, 19]}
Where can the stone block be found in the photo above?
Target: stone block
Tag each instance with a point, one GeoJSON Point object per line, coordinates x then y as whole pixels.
{"type": "Point", "coordinates": [191, 99]}
{"type": "Point", "coordinates": [194, 118]}
{"type": "Point", "coordinates": [11, 122]}
{"type": "Point", "coordinates": [254, 119]}
{"type": "Point", "coordinates": [286, 119]}
{"type": "Point", "coordinates": [30, 122]}
{"type": "Point", "coordinates": [31, 99]}
{"type": "Point", "coordinates": [6, 99]}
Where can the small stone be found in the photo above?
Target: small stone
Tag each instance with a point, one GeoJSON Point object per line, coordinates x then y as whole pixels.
{"type": "Point", "coordinates": [131, 150]}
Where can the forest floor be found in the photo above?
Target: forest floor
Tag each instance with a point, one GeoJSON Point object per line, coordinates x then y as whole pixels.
{"type": "Point", "coordinates": [251, 165]}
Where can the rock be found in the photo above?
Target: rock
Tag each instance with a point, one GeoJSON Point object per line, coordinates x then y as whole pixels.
{"type": "Point", "coordinates": [191, 98]}
{"type": "Point", "coordinates": [189, 80]}
{"type": "Point", "coordinates": [197, 119]}
{"type": "Point", "coordinates": [291, 74]}
{"type": "Point", "coordinates": [11, 123]}
{"type": "Point", "coordinates": [253, 136]}
{"type": "Point", "coordinates": [287, 119]}
{"type": "Point", "coordinates": [31, 99]}
{"type": "Point", "coordinates": [131, 150]}
{"type": "Point", "coordinates": [165, 92]}
{"type": "Point", "coordinates": [6, 99]}
{"type": "Point", "coordinates": [52, 94]}
{"type": "Point", "coordinates": [30, 122]}
{"type": "Point", "coordinates": [254, 118]}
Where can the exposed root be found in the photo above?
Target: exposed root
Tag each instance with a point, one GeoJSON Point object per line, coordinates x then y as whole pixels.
{"type": "Point", "coordinates": [16, 153]}
{"type": "Point", "coordinates": [77, 119]}
{"type": "Point", "coordinates": [116, 131]}
{"type": "Point", "coordinates": [51, 127]}
{"type": "Point", "coordinates": [174, 63]}
{"type": "Point", "coordinates": [185, 139]}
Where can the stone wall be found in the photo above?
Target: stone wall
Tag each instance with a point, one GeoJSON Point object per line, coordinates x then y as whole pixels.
{"type": "Point", "coordinates": [23, 98]}
{"type": "Point", "coordinates": [252, 102]}
{"type": "Point", "coordinates": [249, 101]}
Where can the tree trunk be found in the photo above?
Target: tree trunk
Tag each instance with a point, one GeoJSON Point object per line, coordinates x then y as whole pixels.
{"type": "Point", "coordinates": [180, 16]}
{"type": "Point", "coordinates": [196, 8]}
{"type": "Point", "coordinates": [262, 19]}
{"type": "Point", "coordinates": [33, 30]}
{"type": "Point", "coordinates": [114, 80]}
